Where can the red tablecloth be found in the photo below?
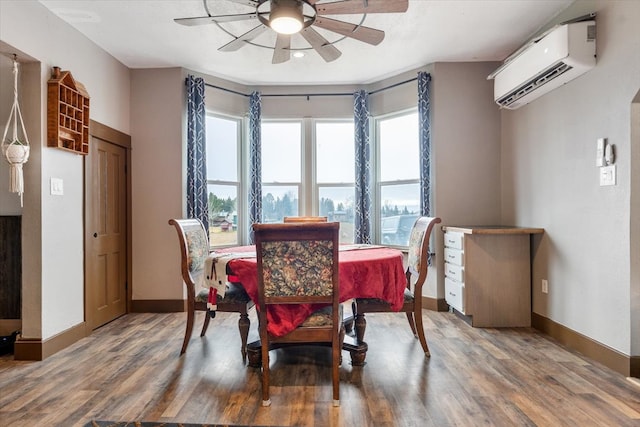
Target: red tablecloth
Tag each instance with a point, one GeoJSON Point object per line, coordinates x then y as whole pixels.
{"type": "Point", "coordinates": [375, 272]}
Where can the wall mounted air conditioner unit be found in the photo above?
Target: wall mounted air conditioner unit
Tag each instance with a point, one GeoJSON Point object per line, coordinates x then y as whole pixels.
{"type": "Point", "coordinates": [551, 60]}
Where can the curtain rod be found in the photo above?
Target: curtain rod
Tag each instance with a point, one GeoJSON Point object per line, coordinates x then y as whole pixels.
{"type": "Point", "coordinates": [309, 95]}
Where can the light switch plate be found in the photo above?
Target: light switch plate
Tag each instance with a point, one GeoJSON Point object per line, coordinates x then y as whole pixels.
{"type": "Point", "coordinates": [608, 175]}
{"type": "Point", "coordinates": [57, 187]}
{"type": "Point", "coordinates": [602, 142]}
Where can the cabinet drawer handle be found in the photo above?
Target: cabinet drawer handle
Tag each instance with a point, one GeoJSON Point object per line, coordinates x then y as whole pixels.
{"type": "Point", "coordinates": [452, 294]}
{"type": "Point", "coordinates": [451, 256]}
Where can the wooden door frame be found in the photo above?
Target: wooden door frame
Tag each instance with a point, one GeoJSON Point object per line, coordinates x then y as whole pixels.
{"type": "Point", "coordinates": [123, 140]}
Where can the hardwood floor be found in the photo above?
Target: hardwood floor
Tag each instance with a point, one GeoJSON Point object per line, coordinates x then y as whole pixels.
{"type": "Point", "coordinates": [130, 370]}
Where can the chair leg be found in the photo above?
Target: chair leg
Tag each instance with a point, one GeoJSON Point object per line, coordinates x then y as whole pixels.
{"type": "Point", "coordinates": [189, 330]}
{"type": "Point", "coordinates": [337, 360]}
{"type": "Point", "coordinates": [412, 324]}
{"type": "Point", "coordinates": [244, 324]}
{"type": "Point", "coordinates": [421, 336]}
{"type": "Point", "coordinates": [266, 400]}
{"type": "Point", "coordinates": [360, 326]}
{"type": "Point", "coordinates": [205, 325]}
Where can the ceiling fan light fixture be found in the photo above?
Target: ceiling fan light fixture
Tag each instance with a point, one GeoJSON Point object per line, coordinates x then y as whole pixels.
{"type": "Point", "coordinates": [286, 16]}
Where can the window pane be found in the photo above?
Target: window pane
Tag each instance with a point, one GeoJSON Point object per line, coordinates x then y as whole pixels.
{"type": "Point", "coordinates": [223, 215]}
{"type": "Point", "coordinates": [281, 152]}
{"type": "Point", "coordinates": [400, 208]}
{"type": "Point", "coordinates": [337, 204]}
{"type": "Point", "coordinates": [278, 202]}
{"type": "Point", "coordinates": [399, 148]}
{"type": "Point", "coordinates": [335, 152]}
{"type": "Point", "coordinates": [222, 149]}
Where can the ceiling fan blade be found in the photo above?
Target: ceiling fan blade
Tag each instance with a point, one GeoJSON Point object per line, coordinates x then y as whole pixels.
{"type": "Point", "coordinates": [252, 3]}
{"type": "Point", "coordinates": [240, 41]}
{"type": "Point", "coordinates": [202, 20]}
{"type": "Point", "coordinates": [282, 50]}
{"type": "Point", "coordinates": [327, 51]}
{"type": "Point", "coordinates": [364, 34]}
{"type": "Point", "coordinates": [362, 6]}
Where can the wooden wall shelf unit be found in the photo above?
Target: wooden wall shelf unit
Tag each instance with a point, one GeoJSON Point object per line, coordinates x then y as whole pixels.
{"type": "Point", "coordinates": [488, 274]}
{"type": "Point", "coordinates": [67, 113]}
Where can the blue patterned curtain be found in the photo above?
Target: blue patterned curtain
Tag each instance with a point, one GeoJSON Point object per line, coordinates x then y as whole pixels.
{"type": "Point", "coordinates": [197, 204]}
{"type": "Point", "coordinates": [424, 111]}
{"type": "Point", "coordinates": [255, 161]}
{"type": "Point", "coordinates": [362, 232]}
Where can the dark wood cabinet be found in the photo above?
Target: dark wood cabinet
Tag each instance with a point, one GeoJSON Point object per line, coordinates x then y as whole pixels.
{"type": "Point", "coordinates": [10, 267]}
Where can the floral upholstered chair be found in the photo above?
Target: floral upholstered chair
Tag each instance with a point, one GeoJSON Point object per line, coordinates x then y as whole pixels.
{"type": "Point", "coordinates": [417, 268]}
{"type": "Point", "coordinates": [298, 264]}
{"type": "Point", "coordinates": [194, 249]}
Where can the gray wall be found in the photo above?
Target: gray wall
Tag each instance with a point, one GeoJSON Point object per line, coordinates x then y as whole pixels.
{"type": "Point", "coordinates": [550, 180]}
{"type": "Point", "coordinates": [158, 154]}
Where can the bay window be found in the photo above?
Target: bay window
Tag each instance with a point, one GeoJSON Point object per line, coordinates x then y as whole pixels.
{"type": "Point", "coordinates": [308, 168]}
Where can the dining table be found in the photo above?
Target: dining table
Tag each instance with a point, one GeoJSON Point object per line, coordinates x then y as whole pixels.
{"type": "Point", "coordinates": [365, 271]}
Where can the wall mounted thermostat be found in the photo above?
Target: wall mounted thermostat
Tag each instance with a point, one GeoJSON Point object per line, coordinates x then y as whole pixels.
{"type": "Point", "coordinates": [609, 156]}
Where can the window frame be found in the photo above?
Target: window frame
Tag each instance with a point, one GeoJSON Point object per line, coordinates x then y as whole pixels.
{"type": "Point", "coordinates": [303, 173]}
{"type": "Point", "coordinates": [240, 184]}
{"type": "Point", "coordinates": [378, 183]}
{"type": "Point", "coordinates": [316, 185]}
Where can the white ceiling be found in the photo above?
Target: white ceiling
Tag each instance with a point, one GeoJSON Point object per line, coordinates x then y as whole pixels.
{"type": "Point", "coordinates": [142, 34]}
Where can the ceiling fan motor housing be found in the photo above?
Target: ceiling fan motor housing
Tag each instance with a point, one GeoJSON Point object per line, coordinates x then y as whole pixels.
{"type": "Point", "coordinates": [289, 10]}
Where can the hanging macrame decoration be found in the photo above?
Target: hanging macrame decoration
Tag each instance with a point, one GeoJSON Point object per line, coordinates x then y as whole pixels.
{"type": "Point", "coordinates": [15, 144]}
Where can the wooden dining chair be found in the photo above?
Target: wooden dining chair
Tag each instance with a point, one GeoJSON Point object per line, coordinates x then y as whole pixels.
{"type": "Point", "coordinates": [417, 268]}
{"type": "Point", "coordinates": [194, 249]}
{"type": "Point", "coordinates": [348, 319]}
{"type": "Point", "coordinates": [288, 219]}
{"type": "Point", "coordinates": [298, 264]}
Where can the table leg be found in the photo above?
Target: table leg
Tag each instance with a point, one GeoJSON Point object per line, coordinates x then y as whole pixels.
{"type": "Point", "coordinates": [254, 354]}
{"type": "Point", "coordinates": [360, 326]}
{"type": "Point", "coordinates": [357, 349]}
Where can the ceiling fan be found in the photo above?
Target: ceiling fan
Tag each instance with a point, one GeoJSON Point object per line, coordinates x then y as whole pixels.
{"type": "Point", "coordinates": [289, 17]}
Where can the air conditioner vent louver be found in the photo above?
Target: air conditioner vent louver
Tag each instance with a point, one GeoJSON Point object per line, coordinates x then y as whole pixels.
{"type": "Point", "coordinates": [545, 63]}
{"type": "Point", "coordinates": [533, 84]}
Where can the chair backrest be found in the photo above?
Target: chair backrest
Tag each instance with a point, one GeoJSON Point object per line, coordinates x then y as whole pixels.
{"type": "Point", "coordinates": [418, 257]}
{"type": "Point", "coordinates": [288, 219]}
{"type": "Point", "coordinates": [297, 263]}
{"type": "Point", "coordinates": [194, 246]}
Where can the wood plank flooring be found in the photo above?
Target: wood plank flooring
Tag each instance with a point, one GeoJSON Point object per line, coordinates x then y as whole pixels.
{"type": "Point", "coordinates": [130, 370]}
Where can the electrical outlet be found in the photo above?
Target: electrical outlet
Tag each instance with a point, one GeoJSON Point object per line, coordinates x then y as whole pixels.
{"type": "Point", "coordinates": [545, 286]}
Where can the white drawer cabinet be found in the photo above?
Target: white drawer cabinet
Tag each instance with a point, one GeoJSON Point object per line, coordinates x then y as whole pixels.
{"type": "Point", "coordinates": [454, 294]}
{"type": "Point", "coordinates": [488, 274]}
{"type": "Point", "coordinates": [453, 239]}
{"type": "Point", "coordinates": [453, 256]}
{"type": "Point", "coordinates": [454, 270]}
